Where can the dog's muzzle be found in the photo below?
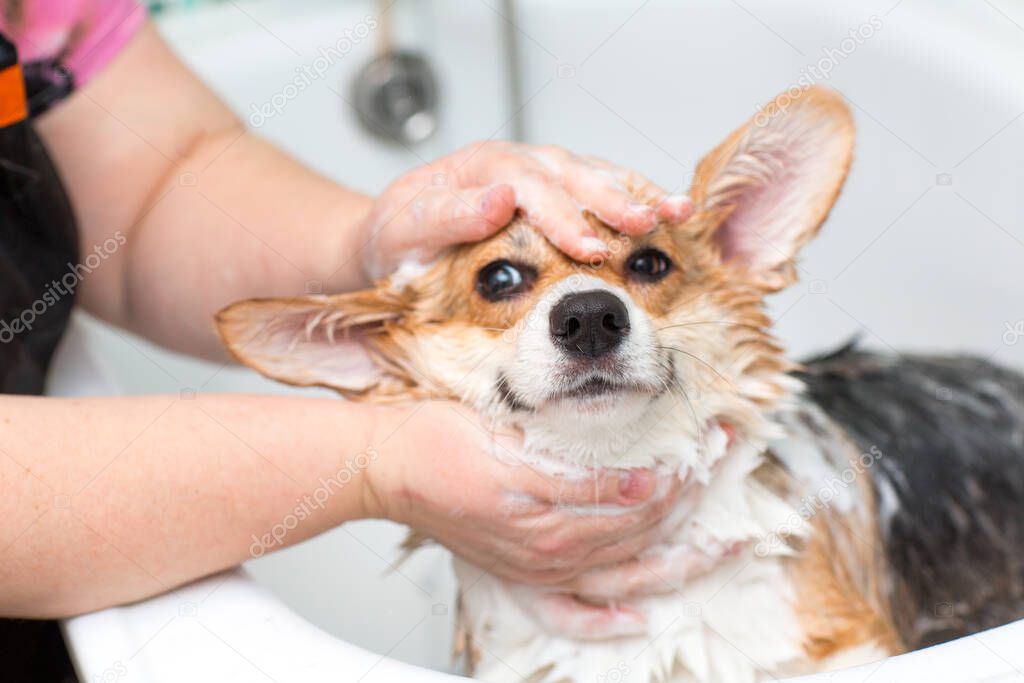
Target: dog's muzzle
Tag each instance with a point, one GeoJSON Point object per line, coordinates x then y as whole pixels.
{"type": "Point", "coordinates": [589, 324]}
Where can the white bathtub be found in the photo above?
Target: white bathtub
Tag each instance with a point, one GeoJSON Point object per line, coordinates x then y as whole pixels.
{"type": "Point", "coordinates": [923, 251]}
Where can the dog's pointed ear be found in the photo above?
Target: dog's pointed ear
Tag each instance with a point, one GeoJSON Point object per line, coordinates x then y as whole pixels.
{"type": "Point", "coordinates": [344, 342]}
{"type": "Point", "coordinates": [764, 192]}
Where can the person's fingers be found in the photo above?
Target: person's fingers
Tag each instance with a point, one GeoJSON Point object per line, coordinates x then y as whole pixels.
{"type": "Point", "coordinates": [674, 208]}
{"type": "Point", "coordinates": [603, 194]}
{"type": "Point", "coordinates": [498, 204]}
{"type": "Point", "coordinates": [635, 577]}
{"type": "Point", "coordinates": [660, 492]}
{"type": "Point", "coordinates": [449, 217]}
{"type": "Point", "coordinates": [585, 487]}
{"type": "Point", "coordinates": [616, 538]}
{"type": "Point", "coordinates": [553, 211]}
{"type": "Point", "coordinates": [648, 575]}
{"type": "Point", "coordinates": [515, 559]}
{"type": "Point", "coordinates": [595, 162]}
{"type": "Point", "coordinates": [496, 548]}
{"type": "Point", "coordinates": [552, 550]}
{"type": "Point", "coordinates": [592, 175]}
{"type": "Point", "coordinates": [622, 550]}
{"type": "Point", "coordinates": [586, 537]}
{"type": "Point", "coordinates": [485, 162]}
{"type": "Point", "coordinates": [550, 577]}
{"type": "Point", "coordinates": [464, 215]}
{"type": "Point", "coordinates": [565, 543]}
{"type": "Point", "coordinates": [552, 185]}
{"type": "Point", "coordinates": [566, 616]}
{"type": "Point", "coordinates": [639, 577]}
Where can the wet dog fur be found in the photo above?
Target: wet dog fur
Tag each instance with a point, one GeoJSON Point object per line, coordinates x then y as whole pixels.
{"type": "Point", "coordinates": [831, 477]}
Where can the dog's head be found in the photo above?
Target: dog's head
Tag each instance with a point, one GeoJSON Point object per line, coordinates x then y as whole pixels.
{"type": "Point", "coordinates": [672, 321]}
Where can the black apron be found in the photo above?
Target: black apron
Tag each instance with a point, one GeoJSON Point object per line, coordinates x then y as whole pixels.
{"type": "Point", "coordinates": [38, 248]}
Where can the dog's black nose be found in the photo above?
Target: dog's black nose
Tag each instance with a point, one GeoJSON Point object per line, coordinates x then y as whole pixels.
{"type": "Point", "coordinates": [589, 324]}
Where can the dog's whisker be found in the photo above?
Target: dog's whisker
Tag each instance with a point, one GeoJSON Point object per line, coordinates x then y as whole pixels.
{"type": "Point", "coordinates": [701, 360]}
{"type": "Point", "coordinates": [711, 322]}
{"type": "Point", "coordinates": [693, 412]}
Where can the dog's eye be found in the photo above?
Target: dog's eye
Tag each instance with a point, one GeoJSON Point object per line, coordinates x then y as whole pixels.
{"type": "Point", "coordinates": [503, 280]}
{"type": "Point", "coordinates": [648, 265]}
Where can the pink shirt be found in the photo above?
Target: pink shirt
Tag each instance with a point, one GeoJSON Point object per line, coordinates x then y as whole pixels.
{"type": "Point", "coordinates": [69, 40]}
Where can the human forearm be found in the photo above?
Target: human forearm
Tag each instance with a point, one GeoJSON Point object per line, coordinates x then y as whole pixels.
{"type": "Point", "coordinates": [258, 224]}
{"type": "Point", "coordinates": [207, 213]}
{"type": "Point", "coordinates": [132, 496]}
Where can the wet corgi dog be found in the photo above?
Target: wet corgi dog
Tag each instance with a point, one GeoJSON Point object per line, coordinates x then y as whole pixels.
{"type": "Point", "coordinates": [847, 510]}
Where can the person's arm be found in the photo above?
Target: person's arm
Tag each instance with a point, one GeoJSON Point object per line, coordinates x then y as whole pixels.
{"type": "Point", "coordinates": [210, 213]}
{"type": "Point", "coordinates": [110, 500]}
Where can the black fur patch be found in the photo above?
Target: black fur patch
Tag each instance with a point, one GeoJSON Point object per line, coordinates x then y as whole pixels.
{"type": "Point", "coordinates": [950, 484]}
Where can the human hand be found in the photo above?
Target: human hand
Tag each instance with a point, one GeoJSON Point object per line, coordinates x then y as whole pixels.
{"type": "Point", "coordinates": [655, 572]}
{"type": "Point", "coordinates": [596, 605]}
{"type": "Point", "coordinates": [443, 474]}
{"type": "Point", "coordinates": [473, 193]}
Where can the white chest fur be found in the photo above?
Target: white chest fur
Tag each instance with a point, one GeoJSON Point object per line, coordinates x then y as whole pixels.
{"type": "Point", "coordinates": [734, 623]}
